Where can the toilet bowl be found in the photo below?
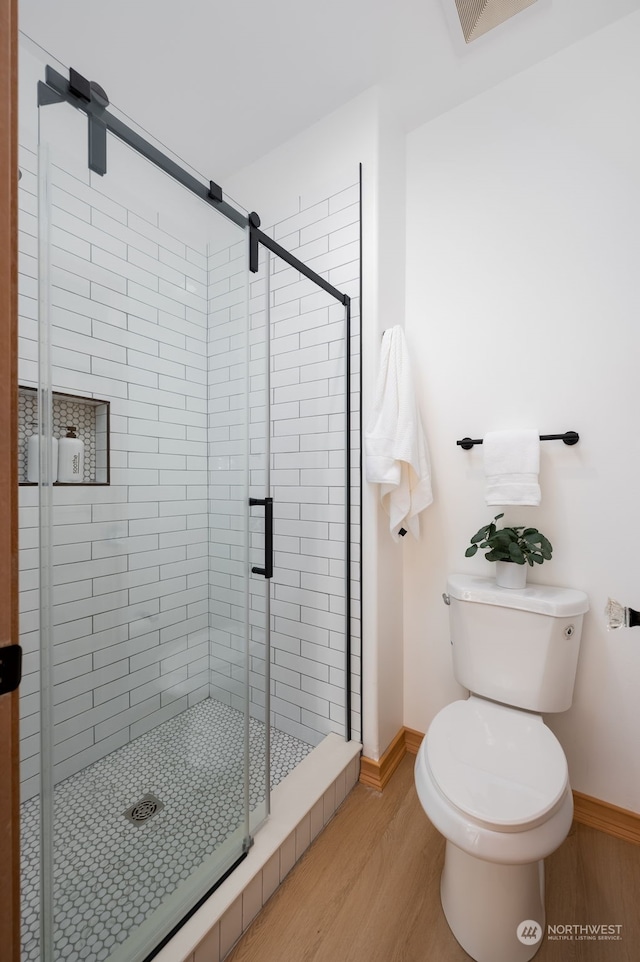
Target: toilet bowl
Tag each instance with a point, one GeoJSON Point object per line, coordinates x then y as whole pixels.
{"type": "Point", "coordinates": [493, 780]}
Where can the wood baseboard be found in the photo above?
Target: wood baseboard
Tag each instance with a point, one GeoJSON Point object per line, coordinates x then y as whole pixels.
{"type": "Point", "coordinates": [412, 740]}
{"type": "Point", "coordinates": [619, 822]}
{"type": "Point", "coordinates": [376, 774]}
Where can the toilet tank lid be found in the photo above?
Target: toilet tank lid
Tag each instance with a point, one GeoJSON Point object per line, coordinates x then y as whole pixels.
{"type": "Point", "coordinates": [543, 599]}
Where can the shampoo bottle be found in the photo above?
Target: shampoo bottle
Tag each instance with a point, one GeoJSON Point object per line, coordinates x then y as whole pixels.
{"type": "Point", "coordinates": [33, 457]}
{"type": "Point", "coordinates": [71, 458]}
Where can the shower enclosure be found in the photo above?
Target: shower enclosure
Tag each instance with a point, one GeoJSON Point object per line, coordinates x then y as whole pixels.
{"type": "Point", "coordinates": [186, 606]}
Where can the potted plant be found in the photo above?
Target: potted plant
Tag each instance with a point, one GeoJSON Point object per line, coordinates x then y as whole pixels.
{"type": "Point", "coordinates": [511, 548]}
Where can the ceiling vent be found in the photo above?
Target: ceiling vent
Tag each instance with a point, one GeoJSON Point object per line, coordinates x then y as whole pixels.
{"type": "Point", "coordinates": [479, 16]}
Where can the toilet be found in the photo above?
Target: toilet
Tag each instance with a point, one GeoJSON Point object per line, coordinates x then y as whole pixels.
{"type": "Point", "coordinates": [490, 775]}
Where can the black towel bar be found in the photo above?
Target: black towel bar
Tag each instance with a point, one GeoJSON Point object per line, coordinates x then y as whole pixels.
{"type": "Point", "coordinates": [569, 437]}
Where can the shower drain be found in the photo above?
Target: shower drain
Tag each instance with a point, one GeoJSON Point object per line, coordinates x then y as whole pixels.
{"type": "Point", "coordinates": [143, 810]}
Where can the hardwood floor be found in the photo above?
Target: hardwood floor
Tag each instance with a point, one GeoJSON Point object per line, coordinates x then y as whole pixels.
{"type": "Point", "coordinates": [367, 890]}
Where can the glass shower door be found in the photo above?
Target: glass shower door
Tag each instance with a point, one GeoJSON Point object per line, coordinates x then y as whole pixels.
{"type": "Point", "coordinates": [147, 778]}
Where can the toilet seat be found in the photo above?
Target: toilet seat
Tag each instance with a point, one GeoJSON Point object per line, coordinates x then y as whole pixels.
{"type": "Point", "coordinates": [499, 766]}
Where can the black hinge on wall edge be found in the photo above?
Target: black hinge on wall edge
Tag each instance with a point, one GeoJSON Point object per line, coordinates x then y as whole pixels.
{"type": "Point", "coordinates": [10, 668]}
{"type": "Point", "coordinates": [254, 224]}
{"type": "Point", "coordinates": [47, 96]}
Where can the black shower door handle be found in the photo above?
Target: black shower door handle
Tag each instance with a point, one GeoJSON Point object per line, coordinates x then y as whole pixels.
{"type": "Point", "coordinates": [267, 571]}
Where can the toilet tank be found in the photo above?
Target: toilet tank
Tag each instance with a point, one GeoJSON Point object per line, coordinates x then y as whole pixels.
{"type": "Point", "coordinates": [516, 646]}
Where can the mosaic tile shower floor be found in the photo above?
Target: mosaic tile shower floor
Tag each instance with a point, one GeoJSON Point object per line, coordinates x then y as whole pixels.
{"type": "Point", "coordinates": [111, 874]}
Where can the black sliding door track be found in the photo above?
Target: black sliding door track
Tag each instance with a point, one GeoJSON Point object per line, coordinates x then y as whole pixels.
{"type": "Point", "coordinates": [283, 253]}
{"type": "Point", "coordinates": [92, 100]}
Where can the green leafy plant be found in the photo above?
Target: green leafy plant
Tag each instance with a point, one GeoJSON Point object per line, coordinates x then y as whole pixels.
{"type": "Point", "coordinates": [516, 544]}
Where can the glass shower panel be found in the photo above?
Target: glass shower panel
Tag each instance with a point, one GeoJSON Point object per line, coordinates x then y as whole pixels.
{"type": "Point", "coordinates": [309, 482]}
{"type": "Point", "coordinates": [260, 541]}
{"type": "Point", "coordinates": [146, 796]}
{"type": "Point", "coordinates": [239, 429]}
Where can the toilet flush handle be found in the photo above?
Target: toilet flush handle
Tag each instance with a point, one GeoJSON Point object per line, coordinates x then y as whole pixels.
{"type": "Point", "coordinates": [446, 598]}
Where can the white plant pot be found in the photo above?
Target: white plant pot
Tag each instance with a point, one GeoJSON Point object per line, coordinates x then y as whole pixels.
{"type": "Point", "coordinates": [511, 575]}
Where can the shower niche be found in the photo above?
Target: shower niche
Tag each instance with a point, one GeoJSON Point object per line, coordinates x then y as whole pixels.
{"type": "Point", "coordinates": [88, 416]}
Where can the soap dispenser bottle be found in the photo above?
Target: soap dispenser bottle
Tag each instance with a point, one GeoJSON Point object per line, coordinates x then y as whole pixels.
{"type": "Point", "coordinates": [33, 456]}
{"type": "Point", "coordinates": [70, 458]}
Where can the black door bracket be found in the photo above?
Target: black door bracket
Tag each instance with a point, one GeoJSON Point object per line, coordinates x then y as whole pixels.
{"type": "Point", "coordinates": [10, 668]}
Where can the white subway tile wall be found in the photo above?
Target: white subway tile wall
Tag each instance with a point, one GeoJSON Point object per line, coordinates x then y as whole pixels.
{"type": "Point", "coordinates": [308, 463]}
{"type": "Point", "coordinates": [148, 578]}
{"type": "Point", "coordinates": [129, 593]}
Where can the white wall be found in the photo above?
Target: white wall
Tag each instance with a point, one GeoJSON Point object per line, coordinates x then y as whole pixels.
{"type": "Point", "coordinates": [523, 208]}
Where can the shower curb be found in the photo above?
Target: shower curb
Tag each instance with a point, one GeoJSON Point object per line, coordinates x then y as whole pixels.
{"type": "Point", "coordinates": [301, 805]}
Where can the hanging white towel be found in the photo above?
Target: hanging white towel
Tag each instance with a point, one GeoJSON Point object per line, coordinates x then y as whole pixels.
{"type": "Point", "coordinates": [511, 465]}
{"type": "Point", "coordinates": [396, 453]}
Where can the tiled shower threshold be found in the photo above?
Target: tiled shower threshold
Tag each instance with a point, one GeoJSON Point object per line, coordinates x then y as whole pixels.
{"type": "Point", "coordinates": [301, 805]}
{"type": "Point", "coordinates": [112, 873]}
